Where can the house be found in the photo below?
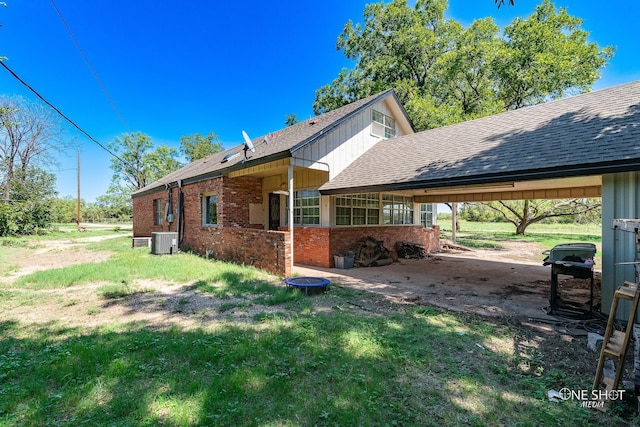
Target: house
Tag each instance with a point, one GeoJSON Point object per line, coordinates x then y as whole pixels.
{"type": "Point", "coordinates": [362, 170]}
{"type": "Point", "coordinates": [234, 205]}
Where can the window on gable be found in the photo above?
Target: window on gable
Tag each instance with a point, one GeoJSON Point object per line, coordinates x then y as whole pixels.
{"type": "Point", "coordinates": [306, 207]}
{"type": "Point", "coordinates": [210, 210]}
{"type": "Point", "coordinates": [382, 125]}
{"type": "Point", "coordinates": [157, 211]}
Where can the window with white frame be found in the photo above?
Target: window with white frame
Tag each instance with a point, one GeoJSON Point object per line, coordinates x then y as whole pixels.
{"type": "Point", "coordinates": [210, 210]}
{"type": "Point", "coordinates": [382, 125]}
{"type": "Point", "coordinates": [397, 209]}
{"type": "Point", "coordinates": [358, 209]}
{"type": "Point", "coordinates": [306, 207]}
{"type": "Point", "coordinates": [426, 214]}
{"type": "Point", "coordinates": [157, 211]}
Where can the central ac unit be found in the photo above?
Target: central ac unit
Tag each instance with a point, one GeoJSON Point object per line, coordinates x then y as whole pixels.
{"type": "Point", "coordinates": [164, 243]}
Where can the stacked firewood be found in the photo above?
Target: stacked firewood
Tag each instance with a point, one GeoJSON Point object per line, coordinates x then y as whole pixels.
{"type": "Point", "coordinates": [371, 252]}
{"type": "Point", "coordinates": [410, 250]}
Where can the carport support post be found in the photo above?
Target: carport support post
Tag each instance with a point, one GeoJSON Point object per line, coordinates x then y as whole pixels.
{"type": "Point", "coordinates": [290, 213]}
{"type": "Point", "coordinates": [454, 220]}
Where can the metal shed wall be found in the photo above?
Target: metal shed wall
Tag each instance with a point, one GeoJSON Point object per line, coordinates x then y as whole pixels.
{"type": "Point", "coordinates": [620, 200]}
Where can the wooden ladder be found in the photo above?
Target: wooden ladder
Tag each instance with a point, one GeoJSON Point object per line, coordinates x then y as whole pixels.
{"type": "Point", "coordinates": [614, 345]}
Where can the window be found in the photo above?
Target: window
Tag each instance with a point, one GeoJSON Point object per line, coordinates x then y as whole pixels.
{"type": "Point", "coordinates": [426, 214]}
{"type": "Point", "coordinates": [382, 125]}
{"type": "Point", "coordinates": [157, 211]}
{"type": "Point", "coordinates": [210, 210]}
{"type": "Point", "coordinates": [358, 209]}
{"type": "Point", "coordinates": [306, 207]}
{"type": "Point", "coordinates": [397, 209]}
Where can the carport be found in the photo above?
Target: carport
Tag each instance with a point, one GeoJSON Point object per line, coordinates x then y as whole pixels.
{"type": "Point", "coordinates": [584, 146]}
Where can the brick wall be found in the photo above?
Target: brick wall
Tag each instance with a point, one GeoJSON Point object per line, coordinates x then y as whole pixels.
{"type": "Point", "coordinates": [234, 238]}
{"type": "Point", "coordinates": [343, 239]}
{"type": "Point", "coordinates": [316, 245]}
{"type": "Point", "coordinates": [311, 246]}
{"type": "Point", "coordinates": [143, 221]}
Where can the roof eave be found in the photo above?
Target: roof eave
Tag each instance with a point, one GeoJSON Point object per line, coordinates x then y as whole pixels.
{"type": "Point", "coordinates": [524, 175]}
{"type": "Point", "coordinates": [214, 174]}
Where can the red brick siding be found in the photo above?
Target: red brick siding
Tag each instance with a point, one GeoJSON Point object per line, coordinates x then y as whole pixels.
{"type": "Point", "coordinates": [344, 239]}
{"type": "Point", "coordinates": [234, 238]}
{"type": "Point", "coordinates": [143, 221]}
{"type": "Point", "coordinates": [311, 246]}
{"type": "Point", "coordinates": [316, 246]}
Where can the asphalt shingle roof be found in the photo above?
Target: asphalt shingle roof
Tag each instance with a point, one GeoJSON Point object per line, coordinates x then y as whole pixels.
{"type": "Point", "coordinates": [588, 134]}
{"type": "Point", "coordinates": [280, 144]}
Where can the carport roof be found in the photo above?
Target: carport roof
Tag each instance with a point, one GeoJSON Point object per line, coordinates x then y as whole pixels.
{"type": "Point", "coordinates": [588, 134]}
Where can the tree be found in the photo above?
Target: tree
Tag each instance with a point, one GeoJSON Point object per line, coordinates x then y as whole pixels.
{"type": "Point", "coordinates": [112, 205]}
{"type": "Point", "coordinates": [445, 73]}
{"type": "Point", "coordinates": [138, 164]}
{"type": "Point", "coordinates": [29, 209]}
{"type": "Point", "coordinates": [523, 213]}
{"type": "Point", "coordinates": [28, 137]}
{"type": "Point", "coordinates": [546, 56]}
{"type": "Point", "coordinates": [196, 146]}
{"type": "Point", "coordinates": [292, 119]}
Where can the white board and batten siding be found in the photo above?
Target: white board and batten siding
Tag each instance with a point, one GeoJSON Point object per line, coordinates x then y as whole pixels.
{"type": "Point", "coordinates": [344, 144]}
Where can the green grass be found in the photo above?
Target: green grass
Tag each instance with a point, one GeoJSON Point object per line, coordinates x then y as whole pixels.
{"type": "Point", "coordinates": [492, 235]}
{"type": "Point", "coordinates": [413, 367]}
{"type": "Point", "coordinates": [343, 358]}
{"type": "Point", "coordinates": [127, 264]}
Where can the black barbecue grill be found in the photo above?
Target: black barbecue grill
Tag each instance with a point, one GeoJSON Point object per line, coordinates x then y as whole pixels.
{"type": "Point", "coordinates": [571, 259]}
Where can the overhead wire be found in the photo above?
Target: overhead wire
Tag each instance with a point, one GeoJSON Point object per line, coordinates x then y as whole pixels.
{"type": "Point", "coordinates": [93, 71]}
{"type": "Point", "coordinates": [35, 92]}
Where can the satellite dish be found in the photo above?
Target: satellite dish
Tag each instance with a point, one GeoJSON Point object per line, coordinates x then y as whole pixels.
{"type": "Point", "coordinates": [247, 143]}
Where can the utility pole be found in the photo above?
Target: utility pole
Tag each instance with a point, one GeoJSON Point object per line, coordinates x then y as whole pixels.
{"type": "Point", "coordinates": [78, 214]}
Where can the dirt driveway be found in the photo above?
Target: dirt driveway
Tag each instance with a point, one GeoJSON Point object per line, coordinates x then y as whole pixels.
{"type": "Point", "coordinates": [508, 282]}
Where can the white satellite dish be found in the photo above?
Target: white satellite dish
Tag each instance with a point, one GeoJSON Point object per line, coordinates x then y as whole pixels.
{"type": "Point", "coordinates": [247, 142]}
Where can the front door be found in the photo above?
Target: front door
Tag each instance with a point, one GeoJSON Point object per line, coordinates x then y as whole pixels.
{"type": "Point", "coordinates": [274, 211]}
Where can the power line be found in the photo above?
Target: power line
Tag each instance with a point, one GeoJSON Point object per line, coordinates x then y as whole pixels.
{"type": "Point", "coordinates": [35, 92]}
{"type": "Point", "coordinates": [93, 71]}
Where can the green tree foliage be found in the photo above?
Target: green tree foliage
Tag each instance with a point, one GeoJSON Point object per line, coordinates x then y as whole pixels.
{"type": "Point", "coordinates": [196, 146]}
{"type": "Point", "coordinates": [29, 209]}
{"type": "Point", "coordinates": [292, 119]}
{"type": "Point", "coordinates": [138, 163]}
{"type": "Point", "coordinates": [445, 73]}
{"type": "Point", "coordinates": [545, 56]}
{"type": "Point", "coordinates": [112, 205]}
{"type": "Point", "coordinates": [65, 210]}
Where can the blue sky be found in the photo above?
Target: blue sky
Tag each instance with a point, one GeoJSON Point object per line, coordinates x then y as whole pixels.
{"type": "Point", "coordinates": [178, 68]}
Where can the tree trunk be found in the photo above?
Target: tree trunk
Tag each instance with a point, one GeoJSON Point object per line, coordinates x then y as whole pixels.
{"type": "Point", "coordinates": [521, 227]}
